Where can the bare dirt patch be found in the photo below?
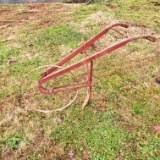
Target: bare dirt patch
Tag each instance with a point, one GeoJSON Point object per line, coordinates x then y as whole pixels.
{"type": "Point", "coordinates": [42, 15]}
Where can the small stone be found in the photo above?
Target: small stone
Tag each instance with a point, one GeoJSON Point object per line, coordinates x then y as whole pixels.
{"type": "Point", "coordinates": [158, 80]}
{"type": "Point", "coordinates": [71, 153]}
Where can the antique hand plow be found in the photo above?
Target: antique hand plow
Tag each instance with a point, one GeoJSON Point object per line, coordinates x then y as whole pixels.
{"type": "Point", "coordinates": [87, 61]}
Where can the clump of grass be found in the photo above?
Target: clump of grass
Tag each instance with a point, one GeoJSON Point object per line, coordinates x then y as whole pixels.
{"type": "Point", "coordinates": [8, 53]}
{"type": "Point", "coordinates": [82, 12]}
{"type": "Point", "coordinates": [13, 140]}
{"type": "Point", "coordinates": [60, 35]}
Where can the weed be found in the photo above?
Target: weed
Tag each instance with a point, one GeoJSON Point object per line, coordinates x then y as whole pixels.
{"type": "Point", "coordinates": [13, 140]}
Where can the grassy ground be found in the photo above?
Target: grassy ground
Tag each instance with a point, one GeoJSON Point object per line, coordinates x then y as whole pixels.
{"type": "Point", "coordinates": [122, 119]}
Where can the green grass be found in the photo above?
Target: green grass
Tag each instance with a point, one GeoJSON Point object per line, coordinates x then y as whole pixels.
{"type": "Point", "coordinates": [13, 140]}
{"type": "Point", "coordinates": [59, 35]}
{"type": "Point", "coordinates": [95, 136]}
{"type": "Point", "coordinates": [141, 12]}
{"type": "Point", "coordinates": [83, 12]}
{"type": "Point", "coordinates": [121, 120]}
{"type": "Point", "coordinates": [8, 53]}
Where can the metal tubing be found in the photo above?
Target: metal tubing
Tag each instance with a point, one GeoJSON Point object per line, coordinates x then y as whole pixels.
{"type": "Point", "coordinates": [83, 62]}
{"type": "Point", "coordinates": [83, 46]}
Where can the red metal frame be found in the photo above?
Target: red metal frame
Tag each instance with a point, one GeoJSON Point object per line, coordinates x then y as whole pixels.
{"type": "Point", "coordinates": [88, 61]}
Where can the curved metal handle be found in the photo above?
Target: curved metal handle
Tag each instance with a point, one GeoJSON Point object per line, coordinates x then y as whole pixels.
{"type": "Point", "coordinates": [150, 38]}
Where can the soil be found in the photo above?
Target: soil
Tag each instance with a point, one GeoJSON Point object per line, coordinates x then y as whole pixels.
{"type": "Point", "coordinates": [41, 15]}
